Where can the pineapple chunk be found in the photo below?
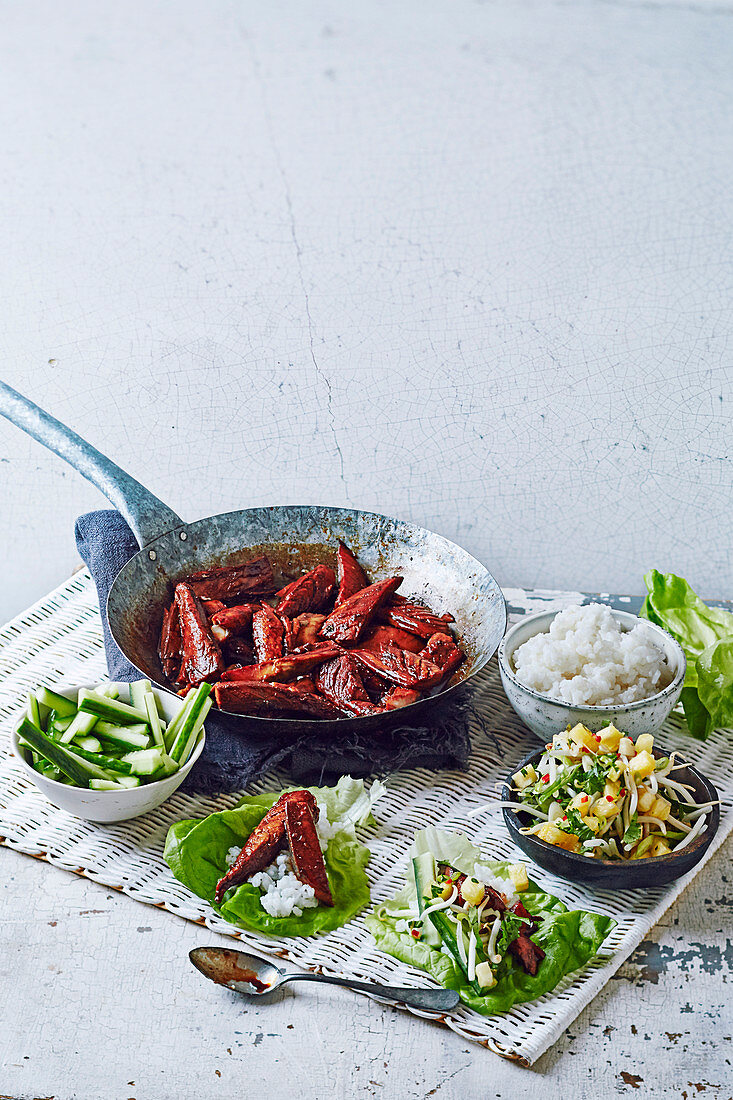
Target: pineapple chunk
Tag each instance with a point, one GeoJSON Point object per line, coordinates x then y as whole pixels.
{"type": "Point", "coordinates": [615, 772]}
{"type": "Point", "coordinates": [525, 778]}
{"type": "Point", "coordinates": [642, 765]}
{"type": "Point", "coordinates": [626, 747]}
{"type": "Point", "coordinates": [558, 837]}
{"type": "Point", "coordinates": [660, 848]}
{"type": "Point", "coordinates": [607, 807]}
{"type": "Point", "coordinates": [518, 875]}
{"type": "Point", "coordinates": [485, 976]}
{"type": "Point", "coordinates": [645, 800]}
{"type": "Point", "coordinates": [473, 892]}
{"type": "Point", "coordinates": [581, 803]}
{"type": "Point", "coordinates": [583, 737]}
{"type": "Point", "coordinates": [660, 808]}
{"type": "Point", "coordinates": [594, 824]}
{"type": "Point", "coordinates": [644, 742]}
{"type": "Point", "coordinates": [610, 738]}
{"type": "Point", "coordinates": [612, 787]}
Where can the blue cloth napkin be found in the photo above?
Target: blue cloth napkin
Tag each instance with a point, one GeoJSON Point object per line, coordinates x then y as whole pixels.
{"type": "Point", "coordinates": [230, 760]}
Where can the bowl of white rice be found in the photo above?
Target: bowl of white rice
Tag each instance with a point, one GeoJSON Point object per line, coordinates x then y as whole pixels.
{"type": "Point", "coordinates": [594, 665]}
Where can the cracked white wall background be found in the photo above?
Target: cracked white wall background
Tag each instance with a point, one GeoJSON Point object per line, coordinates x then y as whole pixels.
{"type": "Point", "coordinates": [467, 264]}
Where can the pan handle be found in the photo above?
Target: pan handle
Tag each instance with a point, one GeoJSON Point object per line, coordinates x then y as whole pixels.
{"type": "Point", "coordinates": [147, 516]}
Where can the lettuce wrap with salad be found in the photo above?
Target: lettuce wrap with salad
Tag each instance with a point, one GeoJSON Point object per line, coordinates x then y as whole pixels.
{"type": "Point", "coordinates": [482, 927]}
{"type": "Point", "coordinates": [273, 900]}
{"type": "Point", "coordinates": [706, 635]}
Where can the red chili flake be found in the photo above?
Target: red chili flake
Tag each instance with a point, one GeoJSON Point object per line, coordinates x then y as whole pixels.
{"type": "Point", "coordinates": [598, 737]}
{"type": "Point", "coordinates": [548, 746]}
{"type": "Point", "coordinates": [546, 778]}
{"type": "Point", "coordinates": [623, 790]}
{"type": "Point", "coordinates": [584, 798]}
{"type": "Point", "coordinates": [609, 798]}
{"type": "Point", "coordinates": [584, 749]}
{"type": "Point", "coordinates": [564, 817]}
{"type": "Point", "coordinates": [415, 933]}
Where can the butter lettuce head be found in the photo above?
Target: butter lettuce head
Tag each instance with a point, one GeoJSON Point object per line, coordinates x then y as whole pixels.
{"type": "Point", "coordinates": [706, 635]}
{"type": "Point", "coordinates": [196, 851]}
{"type": "Point", "coordinates": [568, 938]}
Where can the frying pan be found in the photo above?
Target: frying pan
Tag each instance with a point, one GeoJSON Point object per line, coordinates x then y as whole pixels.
{"type": "Point", "coordinates": [435, 570]}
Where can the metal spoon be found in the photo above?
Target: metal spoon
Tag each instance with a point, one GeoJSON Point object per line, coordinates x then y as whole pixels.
{"type": "Point", "coordinates": [256, 977]}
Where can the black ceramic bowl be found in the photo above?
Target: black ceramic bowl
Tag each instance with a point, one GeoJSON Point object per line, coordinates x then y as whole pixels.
{"type": "Point", "coordinates": [604, 874]}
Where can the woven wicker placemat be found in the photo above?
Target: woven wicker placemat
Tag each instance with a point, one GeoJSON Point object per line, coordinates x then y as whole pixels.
{"type": "Point", "coordinates": [58, 641]}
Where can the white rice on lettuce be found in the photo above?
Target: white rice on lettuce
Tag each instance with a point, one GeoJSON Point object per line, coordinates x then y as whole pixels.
{"type": "Point", "coordinates": [282, 894]}
{"type": "Point", "coordinates": [586, 659]}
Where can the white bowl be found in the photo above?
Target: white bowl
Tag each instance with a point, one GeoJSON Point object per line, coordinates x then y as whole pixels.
{"type": "Point", "coordinates": [109, 806]}
{"type": "Point", "coordinates": [546, 716]}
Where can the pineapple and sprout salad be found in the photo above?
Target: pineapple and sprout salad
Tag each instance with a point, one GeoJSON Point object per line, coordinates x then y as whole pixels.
{"type": "Point", "coordinates": [605, 796]}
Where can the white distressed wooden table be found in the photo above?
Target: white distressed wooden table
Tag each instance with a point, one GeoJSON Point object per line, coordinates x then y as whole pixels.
{"type": "Point", "coordinates": [100, 1003]}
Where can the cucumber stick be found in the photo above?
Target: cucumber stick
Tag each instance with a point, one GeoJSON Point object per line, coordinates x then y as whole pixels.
{"type": "Point", "coordinates": [138, 691]}
{"type": "Point", "coordinates": [91, 744]}
{"type": "Point", "coordinates": [123, 737]}
{"type": "Point", "coordinates": [123, 783]}
{"type": "Point", "coordinates": [106, 763]}
{"type": "Point", "coordinates": [424, 873]}
{"type": "Point", "coordinates": [78, 770]}
{"type": "Point", "coordinates": [449, 935]}
{"type": "Point", "coordinates": [151, 710]}
{"type": "Point", "coordinates": [58, 724]}
{"type": "Point", "coordinates": [168, 767]}
{"type": "Point", "coordinates": [54, 701]}
{"type": "Point", "coordinates": [84, 723]}
{"type": "Point", "coordinates": [112, 710]}
{"type": "Point", "coordinates": [174, 725]}
{"type": "Point", "coordinates": [145, 761]}
{"type": "Point", "coordinates": [197, 706]}
{"type": "Point", "coordinates": [34, 711]}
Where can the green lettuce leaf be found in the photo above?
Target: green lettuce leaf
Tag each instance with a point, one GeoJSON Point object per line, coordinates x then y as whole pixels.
{"type": "Point", "coordinates": [706, 635]}
{"type": "Point", "coordinates": [568, 938]}
{"type": "Point", "coordinates": [196, 852]}
{"type": "Point", "coordinates": [715, 684]}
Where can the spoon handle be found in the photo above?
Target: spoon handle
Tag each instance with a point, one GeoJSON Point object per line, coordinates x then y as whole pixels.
{"type": "Point", "coordinates": [441, 1000]}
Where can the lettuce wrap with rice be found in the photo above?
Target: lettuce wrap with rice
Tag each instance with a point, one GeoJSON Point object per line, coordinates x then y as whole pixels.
{"type": "Point", "coordinates": [197, 853]}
